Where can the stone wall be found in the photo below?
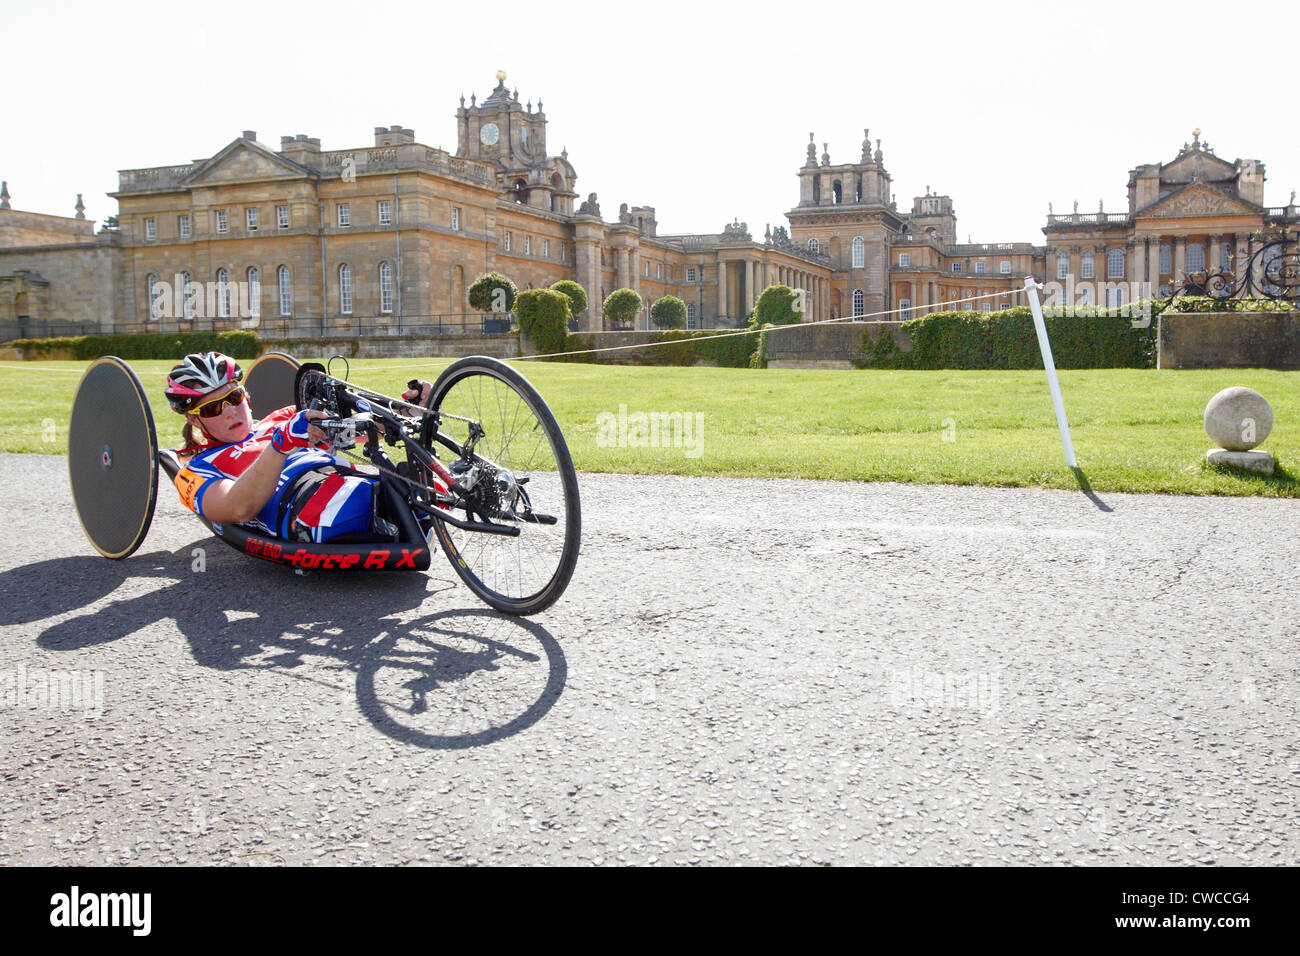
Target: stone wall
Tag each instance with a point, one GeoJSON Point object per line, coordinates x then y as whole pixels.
{"type": "Point", "coordinates": [79, 284]}
{"type": "Point", "coordinates": [445, 346]}
{"type": "Point", "coordinates": [810, 346]}
{"type": "Point", "coordinates": [1230, 340]}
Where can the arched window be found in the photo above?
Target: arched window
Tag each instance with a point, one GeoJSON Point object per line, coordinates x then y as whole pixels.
{"type": "Point", "coordinates": [859, 303]}
{"type": "Point", "coordinates": [1195, 257]}
{"type": "Point", "coordinates": [155, 308]}
{"type": "Point", "coordinates": [385, 287]}
{"type": "Point", "coordinates": [859, 252]}
{"type": "Point", "coordinates": [857, 197]}
{"type": "Point", "coordinates": [254, 292]}
{"type": "Point", "coordinates": [837, 193]}
{"type": "Point", "coordinates": [520, 195]}
{"type": "Point", "coordinates": [286, 291]}
{"type": "Point", "coordinates": [817, 189]}
{"type": "Point", "coordinates": [223, 293]}
{"type": "Point", "coordinates": [1115, 264]}
{"type": "Point", "coordinates": [814, 245]}
{"type": "Point", "coordinates": [345, 289]}
{"type": "Point", "coordinates": [187, 295]}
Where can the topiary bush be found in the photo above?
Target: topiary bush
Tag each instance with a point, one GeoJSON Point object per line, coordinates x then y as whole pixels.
{"type": "Point", "coordinates": [576, 293]}
{"type": "Point", "coordinates": [543, 316]}
{"type": "Point", "coordinates": [620, 307]}
{"type": "Point", "coordinates": [776, 306]}
{"type": "Point", "coordinates": [668, 312]}
{"type": "Point", "coordinates": [485, 297]}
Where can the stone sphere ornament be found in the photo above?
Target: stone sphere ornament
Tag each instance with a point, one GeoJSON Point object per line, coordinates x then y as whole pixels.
{"type": "Point", "coordinates": [1238, 418]}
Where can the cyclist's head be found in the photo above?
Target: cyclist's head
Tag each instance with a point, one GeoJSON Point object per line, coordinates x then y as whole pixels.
{"type": "Point", "coordinates": [205, 388]}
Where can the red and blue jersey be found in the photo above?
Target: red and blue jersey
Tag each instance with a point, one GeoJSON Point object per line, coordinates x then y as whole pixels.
{"type": "Point", "coordinates": [340, 503]}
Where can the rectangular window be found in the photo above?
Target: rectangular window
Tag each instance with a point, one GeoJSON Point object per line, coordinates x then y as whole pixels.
{"type": "Point", "coordinates": [980, 268]}
{"type": "Point", "coordinates": [906, 306]}
{"type": "Point", "coordinates": [1086, 270]}
{"type": "Point", "coordinates": [385, 212]}
{"type": "Point", "coordinates": [1115, 264]}
{"type": "Point", "coordinates": [690, 315]}
{"type": "Point", "coordinates": [183, 226]}
{"type": "Point", "coordinates": [904, 259]}
{"type": "Point", "coordinates": [507, 242]}
{"type": "Point", "coordinates": [690, 273]}
{"type": "Point", "coordinates": [250, 220]}
{"type": "Point", "coordinates": [562, 252]}
{"type": "Point", "coordinates": [345, 290]}
{"type": "Point", "coordinates": [1005, 267]}
{"type": "Point", "coordinates": [546, 248]}
{"type": "Point", "coordinates": [385, 288]}
{"type": "Point", "coordinates": [1062, 265]}
{"type": "Point", "coordinates": [282, 217]}
{"type": "Point", "coordinates": [1166, 260]}
{"type": "Point", "coordinates": [986, 306]}
{"type": "Point", "coordinates": [956, 267]}
{"type": "Point", "coordinates": [659, 270]}
{"type": "Point", "coordinates": [455, 218]}
{"type": "Point", "coordinates": [528, 245]}
{"type": "Point", "coordinates": [286, 293]}
{"type": "Point", "coordinates": [221, 220]}
{"type": "Point", "coordinates": [150, 230]}
{"type": "Point", "coordinates": [645, 268]}
{"type": "Point", "coordinates": [345, 214]}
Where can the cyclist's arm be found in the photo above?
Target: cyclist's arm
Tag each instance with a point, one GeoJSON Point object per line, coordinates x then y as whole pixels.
{"type": "Point", "coordinates": [240, 499]}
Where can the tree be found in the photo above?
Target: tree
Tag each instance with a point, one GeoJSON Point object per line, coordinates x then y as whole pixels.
{"type": "Point", "coordinates": [544, 317]}
{"type": "Point", "coordinates": [668, 312]}
{"type": "Point", "coordinates": [778, 305]}
{"type": "Point", "coordinates": [621, 307]}
{"type": "Point", "coordinates": [492, 292]}
{"type": "Point", "coordinates": [576, 293]}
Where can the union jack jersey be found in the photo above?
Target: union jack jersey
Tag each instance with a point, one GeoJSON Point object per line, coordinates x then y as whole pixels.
{"type": "Point", "coordinates": [339, 504]}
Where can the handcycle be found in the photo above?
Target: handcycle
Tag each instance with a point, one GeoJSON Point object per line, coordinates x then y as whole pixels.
{"type": "Point", "coordinates": [503, 507]}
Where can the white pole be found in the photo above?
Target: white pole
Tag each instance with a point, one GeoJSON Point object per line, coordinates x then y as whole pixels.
{"type": "Point", "coordinates": [1040, 327]}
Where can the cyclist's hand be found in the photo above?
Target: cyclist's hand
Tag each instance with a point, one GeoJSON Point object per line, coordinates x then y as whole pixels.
{"type": "Point", "coordinates": [298, 432]}
{"type": "Point", "coordinates": [420, 395]}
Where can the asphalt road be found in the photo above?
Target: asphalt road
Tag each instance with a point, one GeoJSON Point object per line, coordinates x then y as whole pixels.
{"type": "Point", "coordinates": [741, 671]}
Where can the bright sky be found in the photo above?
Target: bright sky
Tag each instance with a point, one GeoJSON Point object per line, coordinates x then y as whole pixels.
{"type": "Point", "coordinates": [700, 110]}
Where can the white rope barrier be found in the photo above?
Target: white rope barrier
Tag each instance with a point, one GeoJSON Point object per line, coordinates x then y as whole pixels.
{"type": "Point", "coordinates": [1044, 346]}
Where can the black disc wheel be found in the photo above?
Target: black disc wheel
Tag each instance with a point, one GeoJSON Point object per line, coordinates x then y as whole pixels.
{"type": "Point", "coordinates": [113, 457]}
{"type": "Point", "coordinates": [501, 442]}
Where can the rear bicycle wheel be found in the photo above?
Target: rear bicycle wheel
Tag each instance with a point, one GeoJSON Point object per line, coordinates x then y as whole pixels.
{"type": "Point", "coordinates": [519, 474]}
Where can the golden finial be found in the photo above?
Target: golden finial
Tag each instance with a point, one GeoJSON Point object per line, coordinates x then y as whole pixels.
{"type": "Point", "coordinates": [501, 76]}
{"type": "Point", "coordinates": [1197, 132]}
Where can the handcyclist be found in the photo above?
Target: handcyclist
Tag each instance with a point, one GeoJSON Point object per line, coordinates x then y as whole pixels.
{"type": "Point", "coordinates": [272, 475]}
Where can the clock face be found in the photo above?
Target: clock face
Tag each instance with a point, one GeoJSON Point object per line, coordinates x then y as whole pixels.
{"type": "Point", "coordinates": [489, 134]}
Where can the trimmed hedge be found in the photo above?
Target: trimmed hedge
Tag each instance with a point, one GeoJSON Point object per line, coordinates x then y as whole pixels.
{"type": "Point", "coordinates": [668, 312]}
{"type": "Point", "coordinates": [240, 344]}
{"type": "Point", "coordinates": [482, 293]}
{"type": "Point", "coordinates": [543, 316]}
{"type": "Point", "coordinates": [1091, 338]}
{"type": "Point", "coordinates": [621, 306]}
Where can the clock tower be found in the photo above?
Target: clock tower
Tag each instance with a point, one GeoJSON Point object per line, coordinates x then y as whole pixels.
{"type": "Point", "coordinates": [512, 137]}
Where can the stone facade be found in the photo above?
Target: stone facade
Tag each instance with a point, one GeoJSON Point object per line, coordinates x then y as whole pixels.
{"type": "Point", "coordinates": [387, 238]}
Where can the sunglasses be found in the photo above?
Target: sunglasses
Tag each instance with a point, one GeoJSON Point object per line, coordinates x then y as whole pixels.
{"type": "Point", "coordinates": [215, 407]}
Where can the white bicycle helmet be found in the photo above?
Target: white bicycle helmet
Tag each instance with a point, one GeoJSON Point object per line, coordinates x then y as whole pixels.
{"type": "Point", "coordinates": [198, 374]}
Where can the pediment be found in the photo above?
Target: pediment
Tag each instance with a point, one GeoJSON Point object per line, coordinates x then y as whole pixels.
{"type": "Point", "coordinates": [1199, 199]}
{"type": "Point", "coordinates": [242, 160]}
{"type": "Point", "coordinates": [1197, 166]}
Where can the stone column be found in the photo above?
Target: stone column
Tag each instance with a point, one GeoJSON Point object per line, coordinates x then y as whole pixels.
{"type": "Point", "coordinates": [722, 289]}
{"type": "Point", "coordinates": [751, 276]}
{"type": "Point", "coordinates": [1153, 264]}
{"type": "Point", "coordinates": [1180, 258]}
{"type": "Point", "coordinates": [1243, 255]}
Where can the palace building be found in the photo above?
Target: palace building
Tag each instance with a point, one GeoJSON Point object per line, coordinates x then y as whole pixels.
{"type": "Point", "coordinates": [387, 237]}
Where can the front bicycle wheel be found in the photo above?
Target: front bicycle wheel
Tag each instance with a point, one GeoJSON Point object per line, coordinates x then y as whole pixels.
{"type": "Point", "coordinates": [510, 454]}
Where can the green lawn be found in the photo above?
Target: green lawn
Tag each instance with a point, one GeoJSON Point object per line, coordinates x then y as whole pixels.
{"type": "Point", "coordinates": [1134, 430]}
